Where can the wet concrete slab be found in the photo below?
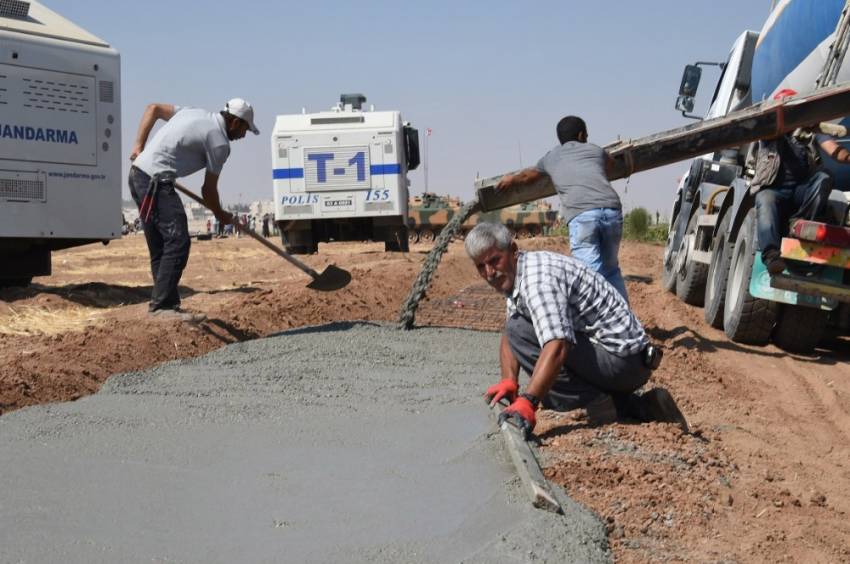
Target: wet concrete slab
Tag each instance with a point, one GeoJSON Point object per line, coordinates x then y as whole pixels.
{"type": "Point", "coordinates": [341, 443]}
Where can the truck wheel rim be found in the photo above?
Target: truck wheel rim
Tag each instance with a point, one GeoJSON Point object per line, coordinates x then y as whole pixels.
{"type": "Point", "coordinates": [738, 274]}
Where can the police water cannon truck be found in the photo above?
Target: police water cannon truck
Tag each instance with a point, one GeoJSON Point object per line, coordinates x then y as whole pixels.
{"type": "Point", "coordinates": [711, 256]}
{"type": "Point", "coordinates": [341, 175]}
{"type": "Point", "coordinates": [60, 139]}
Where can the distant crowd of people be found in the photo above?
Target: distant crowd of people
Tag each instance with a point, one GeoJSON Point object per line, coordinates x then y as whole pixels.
{"type": "Point", "coordinates": [268, 227]}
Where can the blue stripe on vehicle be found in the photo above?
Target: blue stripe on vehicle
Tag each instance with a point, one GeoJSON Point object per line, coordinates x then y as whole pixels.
{"type": "Point", "coordinates": [282, 173]}
{"type": "Point", "coordinates": [385, 169]}
{"type": "Point", "coordinates": [799, 29]}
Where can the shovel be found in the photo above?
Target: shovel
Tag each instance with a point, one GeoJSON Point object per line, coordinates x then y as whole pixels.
{"type": "Point", "coordinates": [333, 278]}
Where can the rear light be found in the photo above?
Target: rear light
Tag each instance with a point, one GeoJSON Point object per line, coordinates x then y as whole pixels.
{"type": "Point", "coordinates": [821, 233]}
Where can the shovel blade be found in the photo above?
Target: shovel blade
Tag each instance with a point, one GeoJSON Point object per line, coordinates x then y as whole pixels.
{"type": "Point", "coordinates": [333, 278]}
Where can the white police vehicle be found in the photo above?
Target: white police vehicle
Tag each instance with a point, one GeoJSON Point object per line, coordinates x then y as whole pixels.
{"type": "Point", "coordinates": [341, 175]}
{"type": "Point", "coordinates": [60, 139]}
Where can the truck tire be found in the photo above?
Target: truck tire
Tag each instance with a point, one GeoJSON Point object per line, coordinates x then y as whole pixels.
{"type": "Point", "coordinates": [690, 276]}
{"type": "Point", "coordinates": [399, 243]}
{"type": "Point", "coordinates": [746, 319]}
{"type": "Point", "coordinates": [718, 272]}
{"type": "Point", "coordinates": [799, 328]}
{"type": "Point", "coordinates": [426, 236]}
{"type": "Point", "coordinates": [412, 236]}
{"type": "Point", "coordinates": [668, 273]}
{"type": "Point", "coordinates": [302, 249]}
{"type": "Point", "coordinates": [394, 247]}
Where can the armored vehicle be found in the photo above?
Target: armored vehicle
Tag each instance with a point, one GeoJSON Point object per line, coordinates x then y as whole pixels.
{"type": "Point", "coordinates": [429, 213]}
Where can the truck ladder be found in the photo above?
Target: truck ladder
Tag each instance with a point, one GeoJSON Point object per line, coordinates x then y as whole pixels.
{"type": "Point", "coordinates": [837, 50]}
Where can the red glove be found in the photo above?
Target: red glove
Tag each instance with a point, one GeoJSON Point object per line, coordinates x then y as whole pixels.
{"type": "Point", "coordinates": [522, 410]}
{"type": "Point", "coordinates": [507, 388]}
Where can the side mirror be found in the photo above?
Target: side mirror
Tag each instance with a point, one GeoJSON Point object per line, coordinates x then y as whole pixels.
{"type": "Point", "coordinates": [690, 81]}
{"type": "Point", "coordinates": [685, 104]}
{"type": "Point", "coordinates": [688, 90]}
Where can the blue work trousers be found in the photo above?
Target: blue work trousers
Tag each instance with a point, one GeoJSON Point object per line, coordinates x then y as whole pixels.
{"type": "Point", "coordinates": [595, 240]}
{"type": "Point", "coordinates": [775, 206]}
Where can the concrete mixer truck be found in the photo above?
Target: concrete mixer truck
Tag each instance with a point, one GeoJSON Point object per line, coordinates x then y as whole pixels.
{"type": "Point", "coordinates": [711, 257]}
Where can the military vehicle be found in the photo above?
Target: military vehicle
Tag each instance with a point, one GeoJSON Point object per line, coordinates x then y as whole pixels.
{"type": "Point", "coordinates": [429, 213]}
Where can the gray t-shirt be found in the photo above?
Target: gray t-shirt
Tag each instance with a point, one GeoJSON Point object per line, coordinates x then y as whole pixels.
{"type": "Point", "coordinates": [191, 140]}
{"type": "Point", "coordinates": [578, 172]}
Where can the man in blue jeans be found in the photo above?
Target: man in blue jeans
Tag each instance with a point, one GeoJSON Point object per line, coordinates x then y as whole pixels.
{"type": "Point", "coordinates": [589, 204]}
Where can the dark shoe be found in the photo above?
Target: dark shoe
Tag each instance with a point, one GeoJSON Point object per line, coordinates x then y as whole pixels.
{"type": "Point", "coordinates": [601, 411]}
{"type": "Point", "coordinates": [773, 261]}
{"type": "Point", "coordinates": [167, 315]}
{"type": "Point", "coordinates": [658, 405]}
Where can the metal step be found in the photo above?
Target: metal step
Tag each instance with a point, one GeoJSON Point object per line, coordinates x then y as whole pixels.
{"type": "Point", "coordinates": [703, 257]}
{"type": "Point", "coordinates": [707, 220]}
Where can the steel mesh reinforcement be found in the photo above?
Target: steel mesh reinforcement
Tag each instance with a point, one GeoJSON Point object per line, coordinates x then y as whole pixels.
{"type": "Point", "coordinates": [407, 316]}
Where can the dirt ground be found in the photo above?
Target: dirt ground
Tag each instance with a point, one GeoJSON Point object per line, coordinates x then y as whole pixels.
{"type": "Point", "coordinates": [763, 477]}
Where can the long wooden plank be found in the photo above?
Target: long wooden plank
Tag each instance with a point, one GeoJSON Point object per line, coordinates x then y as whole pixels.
{"type": "Point", "coordinates": [527, 467]}
{"type": "Point", "coordinates": [761, 121]}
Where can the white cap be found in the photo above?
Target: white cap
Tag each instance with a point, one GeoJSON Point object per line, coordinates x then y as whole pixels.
{"type": "Point", "coordinates": [243, 110]}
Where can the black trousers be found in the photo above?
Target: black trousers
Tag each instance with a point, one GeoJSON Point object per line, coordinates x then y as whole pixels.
{"type": "Point", "coordinates": [590, 370]}
{"type": "Point", "coordinates": [167, 236]}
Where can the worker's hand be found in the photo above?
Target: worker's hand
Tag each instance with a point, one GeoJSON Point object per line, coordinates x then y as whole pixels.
{"type": "Point", "coordinates": [505, 182]}
{"type": "Point", "coordinates": [136, 151]}
{"type": "Point", "coordinates": [507, 388]}
{"type": "Point", "coordinates": [522, 412]}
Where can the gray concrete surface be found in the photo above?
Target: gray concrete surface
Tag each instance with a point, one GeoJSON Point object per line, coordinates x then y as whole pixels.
{"type": "Point", "coordinates": [338, 443]}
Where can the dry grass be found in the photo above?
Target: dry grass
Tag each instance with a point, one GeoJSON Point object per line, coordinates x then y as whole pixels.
{"type": "Point", "coordinates": [36, 320]}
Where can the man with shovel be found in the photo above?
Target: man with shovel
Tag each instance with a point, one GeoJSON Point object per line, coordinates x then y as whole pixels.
{"type": "Point", "coordinates": [191, 139]}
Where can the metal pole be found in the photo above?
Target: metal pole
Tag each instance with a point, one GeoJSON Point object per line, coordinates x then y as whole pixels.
{"type": "Point", "coordinates": [427, 148]}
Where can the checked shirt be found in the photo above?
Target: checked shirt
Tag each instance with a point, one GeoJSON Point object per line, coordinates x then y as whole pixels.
{"type": "Point", "coordinates": [562, 296]}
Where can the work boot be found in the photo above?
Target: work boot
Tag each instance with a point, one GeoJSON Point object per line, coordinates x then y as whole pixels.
{"type": "Point", "coordinates": [601, 411]}
{"type": "Point", "coordinates": [773, 261]}
{"type": "Point", "coordinates": [658, 405]}
{"type": "Point", "coordinates": [167, 315]}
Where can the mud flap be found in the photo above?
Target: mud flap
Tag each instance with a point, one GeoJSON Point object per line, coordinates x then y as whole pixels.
{"type": "Point", "coordinates": [760, 287]}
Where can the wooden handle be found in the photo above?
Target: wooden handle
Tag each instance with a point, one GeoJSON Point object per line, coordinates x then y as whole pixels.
{"type": "Point", "coordinates": [280, 252]}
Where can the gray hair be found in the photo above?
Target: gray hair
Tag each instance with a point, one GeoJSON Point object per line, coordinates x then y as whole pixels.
{"type": "Point", "coordinates": [484, 237]}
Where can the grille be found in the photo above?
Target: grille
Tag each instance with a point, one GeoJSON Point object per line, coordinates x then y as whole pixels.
{"type": "Point", "coordinates": [378, 206]}
{"type": "Point", "coordinates": [14, 8]}
{"type": "Point", "coordinates": [336, 120]}
{"type": "Point", "coordinates": [297, 209]}
{"type": "Point", "coordinates": [53, 95]}
{"type": "Point", "coordinates": [21, 186]}
{"type": "Point", "coordinates": [106, 91]}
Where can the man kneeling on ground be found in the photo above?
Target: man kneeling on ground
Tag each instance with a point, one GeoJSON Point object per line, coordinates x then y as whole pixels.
{"type": "Point", "coordinates": [572, 331]}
